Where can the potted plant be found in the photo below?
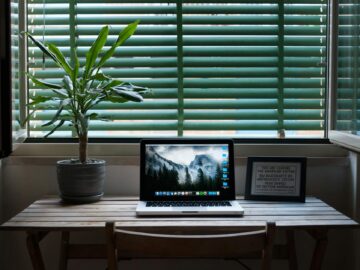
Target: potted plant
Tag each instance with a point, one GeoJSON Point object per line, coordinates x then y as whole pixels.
{"type": "Point", "coordinates": [82, 88]}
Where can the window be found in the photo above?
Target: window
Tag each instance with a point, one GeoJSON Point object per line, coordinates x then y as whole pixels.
{"type": "Point", "coordinates": [346, 117]}
{"type": "Point", "coordinates": [229, 68]}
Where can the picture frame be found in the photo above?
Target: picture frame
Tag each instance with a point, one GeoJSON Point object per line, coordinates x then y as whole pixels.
{"type": "Point", "coordinates": [276, 179]}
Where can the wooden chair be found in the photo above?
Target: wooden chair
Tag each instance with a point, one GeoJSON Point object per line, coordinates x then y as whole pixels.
{"type": "Point", "coordinates": [132, 244]}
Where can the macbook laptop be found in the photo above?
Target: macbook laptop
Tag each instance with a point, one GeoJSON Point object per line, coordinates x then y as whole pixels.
{"type": "Point", "coordinates": [187, 177]}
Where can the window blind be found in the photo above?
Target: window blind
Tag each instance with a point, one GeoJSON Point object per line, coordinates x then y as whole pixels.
{"type": "Point", "coordinates": [230, 68]}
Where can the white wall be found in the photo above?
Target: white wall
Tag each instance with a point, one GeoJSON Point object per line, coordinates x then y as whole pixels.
{"type": "Point", "coordinates": [355, 202]}
{"type": "Point", "coordinates": [25, 179]}
{"type": "Point", "coordinates": [1, 210]}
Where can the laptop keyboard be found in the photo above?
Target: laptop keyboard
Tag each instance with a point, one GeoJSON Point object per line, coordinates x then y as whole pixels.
{"type": "Point", "coordinates": [188, 204]}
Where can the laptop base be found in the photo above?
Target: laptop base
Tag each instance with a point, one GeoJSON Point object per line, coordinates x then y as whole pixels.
{"type": "Point", "coordinates": [234, 210]}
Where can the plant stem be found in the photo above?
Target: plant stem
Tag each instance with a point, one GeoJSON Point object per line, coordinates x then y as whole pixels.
{"type": "Point", "coordinates": [83, 139]}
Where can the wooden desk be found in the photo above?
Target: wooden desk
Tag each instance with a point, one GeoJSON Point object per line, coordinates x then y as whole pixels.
{"type": "Point", "coordinates": [49, 215]}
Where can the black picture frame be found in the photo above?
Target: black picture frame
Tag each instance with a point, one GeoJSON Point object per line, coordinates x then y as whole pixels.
{"type": "Point", "coordinates": [263, 183]}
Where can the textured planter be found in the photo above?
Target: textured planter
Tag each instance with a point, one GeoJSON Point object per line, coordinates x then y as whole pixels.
{"type": "Point", "coordinates": [81, 183]}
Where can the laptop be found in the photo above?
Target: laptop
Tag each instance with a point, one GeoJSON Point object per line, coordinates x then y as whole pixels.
{"type": "Point", "coordinates": [187, 177]}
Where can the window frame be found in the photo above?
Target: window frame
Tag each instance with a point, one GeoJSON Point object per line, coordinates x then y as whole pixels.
{"type": "Point", "coordinates": [125, 140]}
{"type": "Point", "coordinates": [5, 80]}
{"type": "Point", "coordinates": [343, 139]}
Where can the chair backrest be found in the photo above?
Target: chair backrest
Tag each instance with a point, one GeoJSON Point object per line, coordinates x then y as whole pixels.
{"type": "Point", "coordinates": [133, 244]}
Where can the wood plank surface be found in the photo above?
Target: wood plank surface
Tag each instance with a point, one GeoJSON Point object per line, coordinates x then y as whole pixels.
{"type": "Point", "coordinates": [115, 217]}
{"type": "Point", "coordinates": [135, 198]}
{"type": "Point", "coordinates": [51, 214]}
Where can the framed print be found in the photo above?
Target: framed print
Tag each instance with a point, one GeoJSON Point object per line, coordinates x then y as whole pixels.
{"type": "Point", "coordinates": [276, 179]}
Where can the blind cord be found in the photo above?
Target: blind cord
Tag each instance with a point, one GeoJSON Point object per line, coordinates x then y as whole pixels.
{"type": "Point", "coordinates": [43, 34]}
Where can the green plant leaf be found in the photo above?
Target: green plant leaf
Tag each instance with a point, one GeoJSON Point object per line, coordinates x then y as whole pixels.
{"type": "Point", "coordinates": [95, 91]}
{"type": "Point", "coordinates": [61, 93]}
{"type": "Point", "coordinates": [68, 83]}
{"type": "Point", "coordinates": [62, 104]}
{"type": "Point", "coordinates": [93, 116]}
{"type": "Point", "coordinates": [94, 101]}
{"type": "Point", "coordinates": [134, 88]}
{"type": "Point", "coordinates": [123, 36]}
{"type": "Point", "coordinates": [42, 83]}
{"type": "Point", "coordinates": [129, 95]}
{"type": "Point", "coordinates": [115, 99]}
{"type": "Point", "coordinates": [76, 66]}
{"type": "Point", "coordinates": [141, 90]}
{"type": "Point", "coordinates": [61, 59]}
{"type": "Point", "coordinates": [42, 47]}
{"type": "Point", "coordinates": [100, 77]}
{"type": "Point", "coordinates": [95, 49]}
{"type": "Point", "coordinates": [112, 83]}
{"type": "Point", "coordinates": [69, 87]}
{"type": "Point", "coordinates": [27, 118]}
{"type": "Point", "coordinates": [105, 119]}
{"type": "Point", "coordinates": [39, 99]}
{"type": "Point", "coordinates": [55, 128]}
{"type": "Point", "coordinates": [131, 87]}
{"type": "Point", "coordinates": [66, 117]}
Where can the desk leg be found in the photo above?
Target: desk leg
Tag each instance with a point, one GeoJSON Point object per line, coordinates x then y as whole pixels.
{"type": "Point", "coordinates": [65, 236]}
{"type": "Point", "coordinates": [32, 241]}
{"type": "Point", "coordinates": [290, 238]}
{"type": "Point", "coordinates": [321, 243]}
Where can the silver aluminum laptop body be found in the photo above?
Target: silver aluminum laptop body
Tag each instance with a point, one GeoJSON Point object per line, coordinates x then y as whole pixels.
{"type": "Point", "coordinates": [187, 177]}
{"type": "Point", "coordinates": [234, 209]}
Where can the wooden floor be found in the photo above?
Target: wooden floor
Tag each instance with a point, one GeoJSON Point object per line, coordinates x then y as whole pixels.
{"type": "Point", "coordinates": [52, 214]}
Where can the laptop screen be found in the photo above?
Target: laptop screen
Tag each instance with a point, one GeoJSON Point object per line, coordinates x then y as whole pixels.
{"type": "Point", "coordinates": [187, 170]}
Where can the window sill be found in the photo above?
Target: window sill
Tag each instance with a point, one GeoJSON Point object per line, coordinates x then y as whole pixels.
{"type": "Point", "coordinates": [242, 150]}
{"type": "Point", "coordinates": [349, 141]}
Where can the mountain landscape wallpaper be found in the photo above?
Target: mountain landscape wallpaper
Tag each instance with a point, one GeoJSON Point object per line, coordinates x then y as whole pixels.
{"type": "Point", "coordinates": [189, 168]}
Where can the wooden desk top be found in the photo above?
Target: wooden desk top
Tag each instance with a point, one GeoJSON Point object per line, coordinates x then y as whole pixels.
{"type": "Point", "coordinates": [52, 215]}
